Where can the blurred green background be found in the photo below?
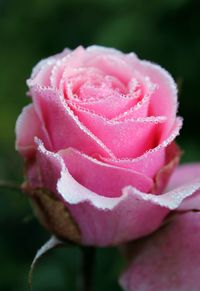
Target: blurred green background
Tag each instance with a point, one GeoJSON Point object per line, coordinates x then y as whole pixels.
{"type": "Point", "coordinates": [166, 32]}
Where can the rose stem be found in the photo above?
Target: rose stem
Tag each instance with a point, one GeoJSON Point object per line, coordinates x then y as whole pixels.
{"type": "Point", "coordinates": [9, 186]}
{"type": "Point", "coordinates": [87, 271]}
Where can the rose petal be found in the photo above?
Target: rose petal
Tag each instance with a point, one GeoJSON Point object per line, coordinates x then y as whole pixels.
{"type": "Point", "coordinates": [186, 173]}
{"type": "Point", "coordinates": [113, 65]}
{"type": "Point", "coordinates": [172, 159]}
{"type": "Point", "coordinates": [109, 107]}
{"type": "Point", "coordinates": [104, 179]}
{"type": "Point", "coordinates": [151, 161]}
{"type": "Point", "coordinates": [66, 65]}
{"type": "Point", "coordinates": [118, 135]}
{"type": "Point", "coordinates": [52, 243]}
{"type": "Point", "coordinates": [64, 128]}
{"type": "Point", "coordinates": [106, 220]}
{"type": "Point", "coordinates": [100, 219]}
{"type": "Point", "coordinates": [42, 71]}
{"type": "Point", "coordinates": [27, 127]}
{"type": "Point", "coordinates": [42, 78]}
{"type": "Point", "coordinates": [98, 49]}
{"type": "Point", "coordinates": [164, 100]}
{"type": "Point", "coordinates": [139, 110]}
{"type": "Point", "coordinates": [168, 260]}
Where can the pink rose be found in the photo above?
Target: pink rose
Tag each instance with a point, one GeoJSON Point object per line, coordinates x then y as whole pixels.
{"type": "Point", "coordinates": [98, 145]}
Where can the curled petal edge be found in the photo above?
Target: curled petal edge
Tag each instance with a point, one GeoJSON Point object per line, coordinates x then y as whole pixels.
{"type": "Point", "coordinates": [74, 193]}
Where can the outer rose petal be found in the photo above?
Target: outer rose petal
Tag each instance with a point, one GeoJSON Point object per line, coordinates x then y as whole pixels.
{"type": "Point", "coordinates": [48, 61]}
{"type": "Point", "coordinates": [164, 100]}
{"type": "Point", "coordinates": [169, 260]}
{"type": "Point", "coordinates": [98, 49]}
{"type": "Point", "coordinates": [27, 127]}
{"type": "Point", "coordinates": [186, 173]}
{"type": "Point", "coordinates": [104, 220]}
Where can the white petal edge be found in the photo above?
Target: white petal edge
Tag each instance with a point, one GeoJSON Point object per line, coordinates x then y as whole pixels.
{"type": "Point", "coordinates": [77, 193]}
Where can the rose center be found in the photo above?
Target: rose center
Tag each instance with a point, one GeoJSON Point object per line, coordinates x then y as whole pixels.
{"type": "Point", "coordinates": [92, 84]}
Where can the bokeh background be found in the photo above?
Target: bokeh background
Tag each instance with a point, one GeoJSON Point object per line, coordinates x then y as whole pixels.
{"type": "Point", "coordinates": [166, 32]}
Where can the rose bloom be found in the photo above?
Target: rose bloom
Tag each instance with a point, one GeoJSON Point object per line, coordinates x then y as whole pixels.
{"type": "Point", "coordinates": [98, 144]}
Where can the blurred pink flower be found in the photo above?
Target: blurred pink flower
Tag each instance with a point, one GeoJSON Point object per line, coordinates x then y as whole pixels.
{"type": "Point", "coordinates": [169, 259]}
